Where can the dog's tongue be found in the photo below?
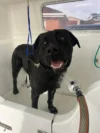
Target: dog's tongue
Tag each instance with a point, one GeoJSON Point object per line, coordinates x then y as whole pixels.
{"type": "Point", "coordinates": [56, 64]}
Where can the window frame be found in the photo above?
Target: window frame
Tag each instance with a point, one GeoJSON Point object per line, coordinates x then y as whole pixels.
{"type": "Point", "coordinates": [79, 28]}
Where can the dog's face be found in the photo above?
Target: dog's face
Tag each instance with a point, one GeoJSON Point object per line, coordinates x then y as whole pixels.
{"type": "Point", "coordinates": [54, 49]}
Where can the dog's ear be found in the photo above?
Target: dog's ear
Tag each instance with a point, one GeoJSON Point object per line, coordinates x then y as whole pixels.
{"type": "Point", "coordinates": [74, 40]}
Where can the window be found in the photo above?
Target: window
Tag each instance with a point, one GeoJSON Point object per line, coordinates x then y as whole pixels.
{"type": "Point", "coordinates": [78, 15]}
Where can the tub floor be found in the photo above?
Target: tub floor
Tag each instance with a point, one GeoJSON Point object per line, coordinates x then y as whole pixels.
{"type": "Point", "coordinates": [63, 103]}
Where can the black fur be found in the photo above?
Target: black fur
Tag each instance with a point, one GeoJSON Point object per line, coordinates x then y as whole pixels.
{"type": "Point", "coordinates": [49, 47]}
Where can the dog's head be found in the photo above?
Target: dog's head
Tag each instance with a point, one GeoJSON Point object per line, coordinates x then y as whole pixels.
{"type": "Point", "coordinates": [54, 49]}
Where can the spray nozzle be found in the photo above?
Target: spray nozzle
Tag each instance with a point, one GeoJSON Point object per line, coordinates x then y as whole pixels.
{"type": "Point", "coordinates": [73, 86]}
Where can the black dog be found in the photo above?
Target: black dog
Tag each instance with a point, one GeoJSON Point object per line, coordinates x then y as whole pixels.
{"type": "Point", "coordinates": [51, 55]}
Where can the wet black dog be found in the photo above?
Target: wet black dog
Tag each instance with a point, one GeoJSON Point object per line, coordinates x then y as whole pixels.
{"type": "Point", "coordinates": [51, 56]}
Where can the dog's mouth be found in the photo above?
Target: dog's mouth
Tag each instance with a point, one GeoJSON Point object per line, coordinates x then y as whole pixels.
{"type": "Point", "coordinates": [58, 64]}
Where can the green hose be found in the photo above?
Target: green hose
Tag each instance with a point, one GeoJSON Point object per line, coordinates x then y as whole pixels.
{"type": "Point", "coordinates": [96, 57]}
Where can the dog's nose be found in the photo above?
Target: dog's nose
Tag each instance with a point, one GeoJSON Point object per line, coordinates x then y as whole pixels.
{"type": "Point", "coordinates": [52, 50]}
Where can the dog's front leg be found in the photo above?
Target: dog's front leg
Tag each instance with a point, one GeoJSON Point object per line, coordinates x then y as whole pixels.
{"type": "Point", "coordinates": [35, 98]}
{"type": "Point", "coordinates": [50, 101]}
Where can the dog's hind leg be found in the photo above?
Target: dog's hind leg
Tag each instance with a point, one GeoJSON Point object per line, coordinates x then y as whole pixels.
{"type": "Point", "coordinates": [16, 66]}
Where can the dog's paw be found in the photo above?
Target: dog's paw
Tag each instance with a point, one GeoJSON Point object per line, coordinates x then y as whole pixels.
{"type": "Point", "coordinates": [15, 92]}
{"type": "Point", "coordinates": [53, 110]}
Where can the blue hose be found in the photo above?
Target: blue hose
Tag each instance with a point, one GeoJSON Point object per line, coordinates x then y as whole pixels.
{"type": "Point", "coordinates": [96, 57]}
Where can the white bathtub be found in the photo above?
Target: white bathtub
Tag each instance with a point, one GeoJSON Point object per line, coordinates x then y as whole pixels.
{"type": "Point", "coordinates": [16, 112]}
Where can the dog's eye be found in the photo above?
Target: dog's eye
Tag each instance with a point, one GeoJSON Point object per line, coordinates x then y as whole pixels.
{"type": "Point", "coordinates": [45, 42]}
{"type": "Point", "coordinates": [62, 38]}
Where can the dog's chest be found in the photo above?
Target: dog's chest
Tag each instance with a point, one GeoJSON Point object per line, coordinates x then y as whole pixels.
{"type": "Point", "coordinates": [43, 81]}
{"type": "Point", "coordinates": [49, 84]}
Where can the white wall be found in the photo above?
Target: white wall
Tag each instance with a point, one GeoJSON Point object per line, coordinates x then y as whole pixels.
{"type": "Point", "coordinates": [19, 21]}
{"type": "Point", "coordinates": [5, 27]}
{"type": "Point", "coordinates": [5, 49]}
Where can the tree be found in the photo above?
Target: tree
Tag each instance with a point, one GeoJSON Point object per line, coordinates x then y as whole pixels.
{"type": "Point", "coordinates": [94, 16]}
